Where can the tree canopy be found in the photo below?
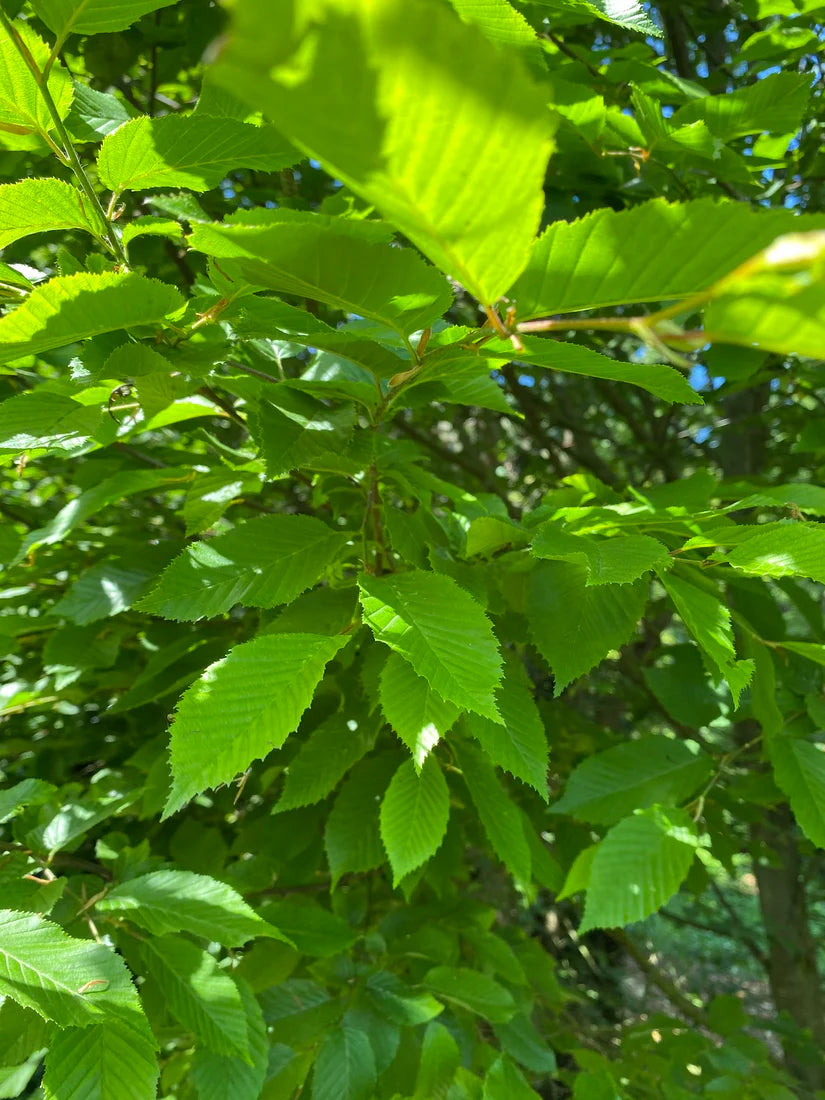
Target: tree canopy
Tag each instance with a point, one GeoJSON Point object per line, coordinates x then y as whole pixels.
{"type": "Point", "coordinates": [412, 446]}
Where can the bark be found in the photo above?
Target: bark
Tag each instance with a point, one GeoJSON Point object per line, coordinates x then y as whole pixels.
{"type": "Point", "coordinates": [792, 968]}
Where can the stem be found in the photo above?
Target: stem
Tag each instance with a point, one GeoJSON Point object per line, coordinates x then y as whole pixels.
{"type": "Point", "coordinates": [73, 160]}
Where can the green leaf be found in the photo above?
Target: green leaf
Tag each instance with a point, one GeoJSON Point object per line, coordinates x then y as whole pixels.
{"type": "Point", "coordinates": [708, 620]}
{"type": "Point", "coordinates": [181, 901]}
{"type": "Point", "coordinates": [69, 308]}
{"type": "Point", "coordinates": [23, 109]}
{"type": "Point", "coordinates": [263, 562]}
{"type": "Point", "coordinates": [352, 837]}
{"type": "Point", "coordinates": [242, 707]}
{"type": "Point", "coordinates": [638, 866]}
{"type": "Point", "coordinates": [520, 1039]}
{"type": "Point", "coordinates": [504, 1081]}
{"type": "Point", "coordinates": [313, 929]}
{"type": "Point", "coordinates": [649, 253]}
{"type": "Point", "coordinates": [441, 631]}
{"type": "Point", "coordinates": [400, 1003]}
{"type": "Point", "coordinates": [799, 770]}
{"type": "Point", "coordinates": [786, 550]}
{"type": "Point", "coordinates": [100, 1062]}
{"type": "Point", "coordinates": [414, 815]}
{"type": "Point", "coordinates": [656, 378]}
{"type": "Point", "coordinates": [199, 994]}
{"type": "Point", "coordinates": [66, 17]}
{"type": "Point", "coordinates": [472, 991]}
{"type": "Point", "coordinates": [606, 787]}
{"type": "Point", "coordinates": [41, 206]}
{"type": "Point", "coordinates": [502, 24]}
{"type": "Point", "coordinates": [95, 114]}
{"type": "Point", "coordinates": [518, 744]}
{"type": "Point", "coordinates": [110, 489]}
{"type": "Point", "coordinates": [812, 650]}
{"type": "Point", "coordinates": [222, 1077]}
{"type": "Point", "coordinates": [109, 587]}
{"type": "Point", "coordinates": [681, 685]}
{"type": "Point", "coordinates": [348, 265]}
{"type": "Point", "coordinates": [501, 818]}
{"type": "Point", "coordinates": [301, 1012]}
{"type": "Point", "coordinates": [617, 560]}
{"type": "Point", "coordinates": [776, 104]}
{"type": "Point", "coordinates": [440, 1058]}
{"type": "Point", "coordinates": [380, 126]}
{"type": "Point", "coordinates": [418, 715]}
{"type": "Point", "coordinates": [187, 151]}
{"type": "Point", "coordinates": [624, 13]}
{"type": "Point", "coordinates": [575, 625]}
{"type": "Point", "coordinates": [44, 969]}
{"type": "Point", "coordinates": [297, 430]}
{"type": "Point", "coordinates": [324, 759]}
{"type": "Point", "coordinates": [779, 313]}
{"type": "Point", "coordinates": [43, 419]}
{"type": "Point", "coordinates": [28, 792]}
{"type": "Point", "coordinates": [345, 1067]}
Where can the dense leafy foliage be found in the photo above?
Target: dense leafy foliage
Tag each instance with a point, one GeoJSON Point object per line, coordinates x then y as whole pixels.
{"type": "Point", "coordinates": [413, 545]}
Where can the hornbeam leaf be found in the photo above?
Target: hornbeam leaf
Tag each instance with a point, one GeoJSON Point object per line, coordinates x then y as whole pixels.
{"type": "Point", "coordinates": [657, 378]}
{"type": "Point", "coordinates": [417, 714]}
{"type": "Point", "coordinates": [624, 13]}
{"type": "Point", "coordinates": [40, 418]}
{"type": "Point", "coordinates": [414, 816]}
{"type": "Point", "coordinates": [242, 707]}
{"type": "Point", "coordinates": [786, 550]}
{"type": "Point", "coordinates": [708, 620]}
{"type": "Point", "coordinates": [181, 901]}
{"type": "Point", "coordinates": [344, 1067]}
{"type": "Point", "coordinates": [501, 817]}
{"type": "Point", "coordinates": [369, 104]}
{"type": "Point", "coordinates": [69, 308]}
{"type": "Point", "coordinates": [616, 560]}
{"type": "Point", "coordinates": [399, 1002]}
{"type": "Point", "coordinates": [441, 631]}
{"type": "Point", "coordinates": [799, 770]}
{"type": "Point", "coordinates": [440, 1058]}
{"type": "Point", "coordinates": [472, 991]}
{"type": "Point", "coordinates": [352, 837]}
{"type": "Point", "coordinates": [44, 969]}
{"type": "Point", "coordinates": [187, 151]}
{"type": "Point", "coordinates": [23, 109]}
{"type": "Point", "coordinates": [263, 562]}
{"type": "Point", "coordinates": [774, 104]}
{"type": "Point", "coordinates": [98, 1062]}
{"type": "Point", "coordinates": [639, 865]}
{"type": "Point", "coordinates": [93, 16]}
{"type": "Point", "coordinates": [341, 262]}
{"type": "Point", "coordinates": [324, 759]}
{"type": "Point", "coordinates": [650, 253]}
{"type": "Point", "coordinates": [814, 651]}
{"type": "Point", "coordinates": [575, 625]}
{"type": "Point", "coordinates": [222, 1077]}
{"type": "Point", "coordinates": [114, 488]}
{"type": "Point", "coordinates": [41, 206]}
{"type": "Point", "coordinates": [608, 786]}
{"type": "Point", "coordinates": [518, 744]}
{"type": "Point", "coordinates": [504, 1081]}
{"type": "Point", "coordinates": [198, 993]}
{"type": "Point", "coordinates": [782, 314]}
{"type": "Point", "coordinates": [95, 114]}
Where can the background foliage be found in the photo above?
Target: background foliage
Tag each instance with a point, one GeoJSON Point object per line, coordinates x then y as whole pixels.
{"type": "Point", "coordinates": [412, 440]}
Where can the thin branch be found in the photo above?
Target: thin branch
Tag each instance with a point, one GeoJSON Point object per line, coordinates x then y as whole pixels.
{"type": "Point", "coordinates": [663, 983]}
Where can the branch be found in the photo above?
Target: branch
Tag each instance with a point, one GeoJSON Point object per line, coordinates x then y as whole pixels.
{"type": "Point", "coordinates": [663, 983]}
